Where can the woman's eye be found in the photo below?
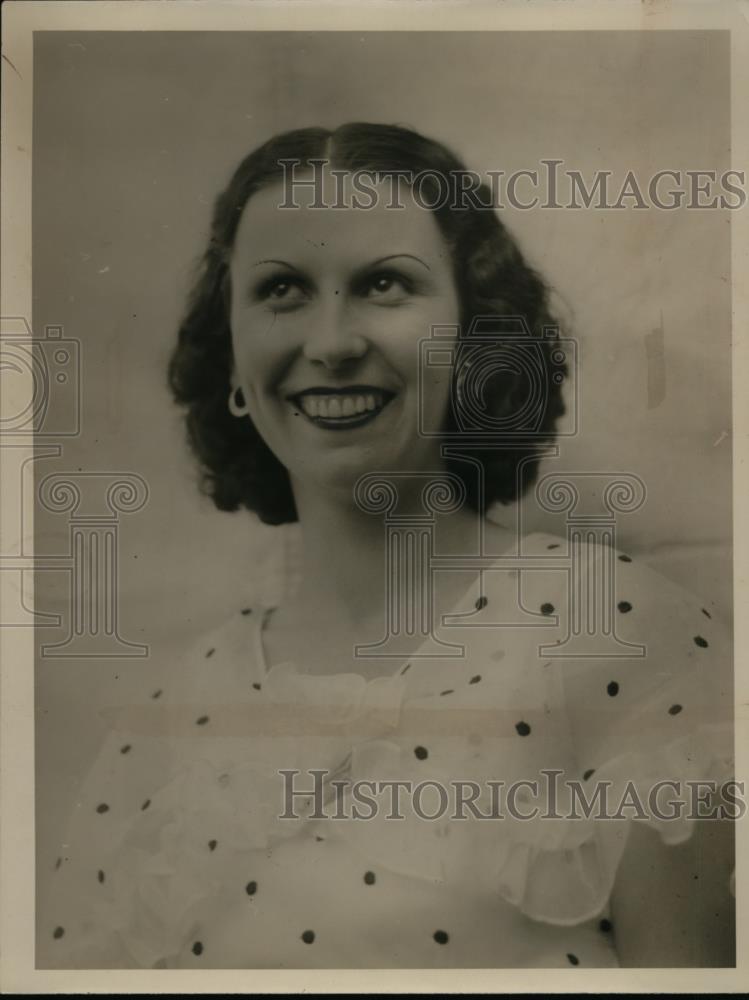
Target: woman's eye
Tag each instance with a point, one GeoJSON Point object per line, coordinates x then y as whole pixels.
{"type": "Point", "coordinates": [281, 291]}
{"type": "Point", "coordinates": [389, 286]}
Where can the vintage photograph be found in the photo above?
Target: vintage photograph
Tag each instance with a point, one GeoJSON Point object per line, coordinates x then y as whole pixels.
{"type": "Point", "coordinates": [380, 452]}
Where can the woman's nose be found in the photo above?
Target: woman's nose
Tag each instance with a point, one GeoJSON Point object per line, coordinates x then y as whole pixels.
{"type": "Point", "coordinates": [333, 335]}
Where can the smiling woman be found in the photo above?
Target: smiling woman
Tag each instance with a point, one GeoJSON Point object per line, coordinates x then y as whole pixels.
{"type": "Point", "coordinates": [301, 364]}
{"type": "Point", "coordinates": [277, 268]}
{"type": "Point", "coordinates": [339, 320]}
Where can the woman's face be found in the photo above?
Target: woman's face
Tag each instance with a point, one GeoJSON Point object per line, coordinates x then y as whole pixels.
{"type": "Point", "coordinates": [328, 307]}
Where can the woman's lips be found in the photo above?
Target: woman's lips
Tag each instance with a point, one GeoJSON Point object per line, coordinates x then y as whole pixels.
{"type": "Point", "coordinates": [342, 409]}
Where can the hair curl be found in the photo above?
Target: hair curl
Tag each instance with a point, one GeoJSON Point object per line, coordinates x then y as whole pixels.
{"type": "Point", "coordinates": [237, 467]}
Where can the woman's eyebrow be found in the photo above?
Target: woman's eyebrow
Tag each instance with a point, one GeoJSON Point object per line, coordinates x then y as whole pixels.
{"type": "Point", "coordinates": [392, 256]}
{"type": "Point", "coordinates": [374, 263]}
{"type": "Point", "coordinates": [284, 263]}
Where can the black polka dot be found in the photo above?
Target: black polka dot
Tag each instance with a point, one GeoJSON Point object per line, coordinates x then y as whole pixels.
{"type": "Point", "coordinates": [407, 667]}
{"type": "Point", "coordinates": [369, 878]}
{"type": "Point", "coordinates": [100, 875]}
{"type": "Point", "coordinates": [589, 773]}
{"type": "Point", "coordinates": [251, 888]}
{"type": "Point", "coordinates": [624, 607]}
{"type": "Point", "coordinates": [197, 948]}
{"type": "Point", "coordinates": [126, 749]}
{"type": "Point", "coordinates": [612, 689]}
{"type": "Point", "coordinates": [319, 839]}
{"type": "Point", "coordinates": [201, 721]}
{"type": "Point", "coordinates": [257, 686]}
{"type": "Point", "coordinates": [706, 613]}
{"type": "Point", "coordinates": [547, 609]}
{"type": "Point", "coordinates": [145, 805]}
{"type": "Point", "coordinates": [699, 641]}
{"type": "Point", "coordinates": [605, 926]}
{"type": "Point", "coordinates": [246, 611]}
{"type": "Point", "coordinates": [212, 844]}
{"type": "Point", "coordinates": [441, 937]}
{"type": "Point", "coordinates": [58, 933]}
{"type": "Point", "coordinates": [572, 959]}
{"type": "Point", "coordinates": [554, 545]}
{"type": "Point", "coordinates": [421, 752]}
{"type": "Point", "coordinates": [674, 710]}
{"type": "Point", "coordinates": [623, 558]}
{"type": "Point", "coordinates": [308, 937]}
{"type": "Point", "coordinates": [523, 728]}
{"type": "Point", "coordinates": [475, 680]}
{"type": "Point", "coordinates": [102, 808]}
{"type": "Point", "coordinates": [448, 691]}
{"type": "Point", "coordinates": [58, 863]}
{"type": "Point", "coordinates": [157, 694]}
{"type": "Point", "coordinates": [481, 603]}
{"type": "Point", "coordinates": [210, 653]}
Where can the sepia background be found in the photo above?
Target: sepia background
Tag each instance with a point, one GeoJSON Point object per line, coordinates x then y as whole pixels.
{"type": "Point", "coordinates": [136, 132]}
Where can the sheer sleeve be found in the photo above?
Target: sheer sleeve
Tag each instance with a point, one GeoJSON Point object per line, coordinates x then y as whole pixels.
{"type": "Point", "coordinates": [78, 925]}
{"type": "Point", "coordinates": [623, 737]}
{"type": "Point", "coordinates": [115, 898]}
{"type": "Point", "coordinates": [647, 729]}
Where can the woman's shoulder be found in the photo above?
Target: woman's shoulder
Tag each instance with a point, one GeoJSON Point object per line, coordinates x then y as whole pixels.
{"type": "Point", "coordinates": [613, 592]}
{"type": "Point", "coordinates": [606, 568]}
{"type": "Point", "coordinates": [609, 629]}
{"type": "Point", "coordinates": [216, 662]}
{"type": "Point", "coordinates": [638, 660]}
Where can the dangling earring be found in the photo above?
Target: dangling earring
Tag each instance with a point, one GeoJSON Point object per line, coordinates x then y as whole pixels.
{"type": "Point", "coordinates": [236, 408]}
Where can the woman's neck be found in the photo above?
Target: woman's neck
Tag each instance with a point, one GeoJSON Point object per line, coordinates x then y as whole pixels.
{"type": "Point", "coordinates": [344, 570]}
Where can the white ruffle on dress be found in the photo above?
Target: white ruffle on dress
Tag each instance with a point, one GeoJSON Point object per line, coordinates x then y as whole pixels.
{"type": "Point", "coordinates": [178, 854]}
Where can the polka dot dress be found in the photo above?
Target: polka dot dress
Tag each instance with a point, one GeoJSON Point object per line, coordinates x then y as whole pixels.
{"type": "Point", "coordinates": [245, 817]}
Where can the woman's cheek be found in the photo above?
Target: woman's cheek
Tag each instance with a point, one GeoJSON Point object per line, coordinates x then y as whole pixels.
{"type": "Point", "coordinates": [261, 352]}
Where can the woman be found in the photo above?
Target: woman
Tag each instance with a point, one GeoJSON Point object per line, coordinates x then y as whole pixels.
{"type": "Point", "coordinates": [206, 834]}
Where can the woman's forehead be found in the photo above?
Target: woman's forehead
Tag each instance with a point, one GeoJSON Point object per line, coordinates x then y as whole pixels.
{"type": "Point", "coordinates": [271, 227]}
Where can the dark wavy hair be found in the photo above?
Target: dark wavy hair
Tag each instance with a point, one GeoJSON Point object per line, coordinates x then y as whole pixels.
{"type": "Point", "coordinates": [238, 469]}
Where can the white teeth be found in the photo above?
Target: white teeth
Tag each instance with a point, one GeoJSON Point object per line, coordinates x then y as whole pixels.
{"type": "Point", "coordinates": [332, 407]}
{"type": "Point", "coordinates": [310, 405]}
